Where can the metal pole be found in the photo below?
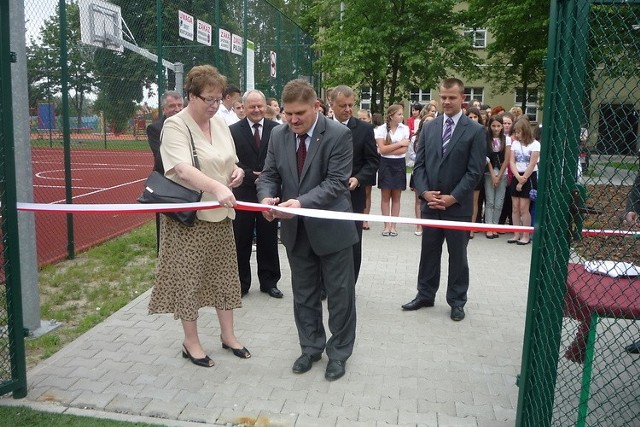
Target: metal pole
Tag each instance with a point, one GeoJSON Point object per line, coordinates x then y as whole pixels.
{"type": "Point", "coordinates": [159, 68]}
{"type": "Point", "coordinates": [64, 80]}
{"type": "Point", "coordinates": [11, 265]}
{"type": "Point", "coordinates": [245, 6]}
{"type": "Point", "coordinates": [24, 174]}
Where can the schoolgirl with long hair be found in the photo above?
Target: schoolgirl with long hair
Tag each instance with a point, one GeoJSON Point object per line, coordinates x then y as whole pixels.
{"type": "Point", "coordinates": [393, 141]}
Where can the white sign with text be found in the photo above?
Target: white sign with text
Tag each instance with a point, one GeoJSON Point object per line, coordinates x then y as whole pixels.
{"type": "Point", "coordinates": [185, 28]}
{"type": "Point", "coordinates": [225, 40]}
{"type": "Point", "coordinates": [204, 33]}
{"type": "Point", "coordinates": [236, 44]}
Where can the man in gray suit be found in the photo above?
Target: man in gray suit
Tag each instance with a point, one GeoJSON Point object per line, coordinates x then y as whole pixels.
{"type": "Point", "coordinates": [450, 161]}
{"type": "Point", "coordinates": [308, 165]}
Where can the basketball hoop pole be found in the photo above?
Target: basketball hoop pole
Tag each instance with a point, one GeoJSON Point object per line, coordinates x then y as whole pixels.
{"type": "Point", "coordinates": [177, 68]}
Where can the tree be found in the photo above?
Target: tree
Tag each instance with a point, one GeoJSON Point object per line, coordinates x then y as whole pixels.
{"type": "Point", "coordinates": [520, 31]}
{"type": "Point", "coordinates": [391, 46]}
{"type": "Point", "coordinates": [43, 62]}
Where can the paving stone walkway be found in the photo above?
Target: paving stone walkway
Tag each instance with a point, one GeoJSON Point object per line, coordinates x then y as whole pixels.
{"type": "Point", "coordinates": [408, 368]}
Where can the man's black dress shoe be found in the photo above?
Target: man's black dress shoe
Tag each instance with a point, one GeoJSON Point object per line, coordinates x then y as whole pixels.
{"type": "Point", "coordinates": [335, 370]}
{"type": "Point", "coordinates": [633, 348]}
{"type": "Point", "coordinates": [304, 362]}
{"type": "Point", "coordinates": [416, 304]}
{"type": "Point", "coordinates": [243, 293]}
{"type": "Point", "coordinates": [274, 293]}
{"type": "Point", "coordinates": [457, 313]}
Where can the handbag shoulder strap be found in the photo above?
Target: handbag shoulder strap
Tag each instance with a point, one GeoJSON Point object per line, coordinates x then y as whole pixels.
{"type": "Point", "coordinates": [194, 153]}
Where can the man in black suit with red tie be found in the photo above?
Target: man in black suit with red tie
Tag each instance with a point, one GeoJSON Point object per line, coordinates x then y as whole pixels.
{"type": "Point", "coordinates": [251, 137]}
{"type": "Point", "coordinates": [365, 157]}
{"type": "Point", "coordinates": [171, 103]}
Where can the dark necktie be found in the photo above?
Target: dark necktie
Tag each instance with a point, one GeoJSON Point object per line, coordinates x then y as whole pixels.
{"type": "Point", "coordinates": [446, 136]}
{"type": "Point", "coordinates": [302, 152]}
{"type": "Point", "coordinates": [256, 133]}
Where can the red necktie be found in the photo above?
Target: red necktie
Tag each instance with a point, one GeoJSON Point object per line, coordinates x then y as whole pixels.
{"type": "Point", "coordinates": [302, 152]}
{"type": "Point", "coordinates": [256, 134]}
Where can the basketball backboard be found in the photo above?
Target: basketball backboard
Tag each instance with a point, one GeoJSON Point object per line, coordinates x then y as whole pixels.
{"type": "Point", "coordinates": [101, 24]}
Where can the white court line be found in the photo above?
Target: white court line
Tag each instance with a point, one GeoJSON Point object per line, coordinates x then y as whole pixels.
{"type": "Point", "coordinates": [113, 166]}
{"type": "Point", "coordinates": [100, 191]}
{"type": "Point", "coordinates": [64, 186]}
{"type": "Point", "coordinates": [41, 175]}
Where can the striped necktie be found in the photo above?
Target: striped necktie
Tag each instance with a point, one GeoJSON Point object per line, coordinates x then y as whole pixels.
{"type": "Point", "coordinates": [446, 136]}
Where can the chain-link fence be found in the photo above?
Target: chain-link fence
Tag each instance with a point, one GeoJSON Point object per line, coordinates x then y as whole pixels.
{"type": "Point", "coordinates": [576, 369]}
{"type": "Point", "coordinates": [91, 146]}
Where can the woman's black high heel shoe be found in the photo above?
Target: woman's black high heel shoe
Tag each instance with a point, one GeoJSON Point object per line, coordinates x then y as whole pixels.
{"type": "Point", "coordinates": [242, 353]}
{"type": "Point", "coordinates": [205, 361]}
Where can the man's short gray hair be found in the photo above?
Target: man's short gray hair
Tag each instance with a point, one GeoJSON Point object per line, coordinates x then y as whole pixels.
{"type": "Point", "coordinates": [249, 92]}
{"type": "Point", "coordinates": [343, 90]}
{"type": "Point", "coordinates": [167, 94]}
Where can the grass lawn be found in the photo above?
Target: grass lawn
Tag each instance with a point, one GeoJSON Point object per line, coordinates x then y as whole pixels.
{"type": "Point", "coordinates": [25, 417]}
{"type": "Point", "coordinates": [82, 292]}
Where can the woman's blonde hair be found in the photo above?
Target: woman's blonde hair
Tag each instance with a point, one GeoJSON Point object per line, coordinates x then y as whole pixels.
{"type": "Point", "coordinates": [523, 125]}
{"type": "Point", "coordinates": [516, 111]}
{"type": "Point", "coordinates": [393, 109]}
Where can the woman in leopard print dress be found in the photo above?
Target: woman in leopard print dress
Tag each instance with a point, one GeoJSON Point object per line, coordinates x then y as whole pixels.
{"type": "Point", "coordinates": [197, 266]}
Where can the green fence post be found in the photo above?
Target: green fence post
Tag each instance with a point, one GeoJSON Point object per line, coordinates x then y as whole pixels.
{"type": "Point", "coordinates": [159, 68]}
{"type": "Point", "coordinates": [567, 46]}
{"type": "Point", "coordinates": [11, 264]}
{"type": "Point", "coordinates": [278, 82]}
{"type": "Point", "coordinates": [64, 82]}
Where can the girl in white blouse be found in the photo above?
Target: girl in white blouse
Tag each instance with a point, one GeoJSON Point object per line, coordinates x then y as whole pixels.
{"type": "Point", "coordinates": [393, 141]}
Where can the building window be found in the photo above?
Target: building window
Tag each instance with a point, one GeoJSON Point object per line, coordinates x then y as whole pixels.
{"type": "Point", "coordinates": [420, 96]}
{"type": "Point", "coordinates": [478, 38]}
{"type": "Point", "coordinates": [531, 103]}
{"type": "Point", "coordinates": [473, 93]}
{"type": "Point", "coordinates": [365, 98]}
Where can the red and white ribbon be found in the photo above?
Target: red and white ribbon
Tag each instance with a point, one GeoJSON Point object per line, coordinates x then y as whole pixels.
{"type": "Point", "coordinates": [311, 213]}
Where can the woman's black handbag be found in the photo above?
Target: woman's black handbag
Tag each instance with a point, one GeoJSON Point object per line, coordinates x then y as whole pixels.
{"type": "Point", "coordinates": [160, 189]}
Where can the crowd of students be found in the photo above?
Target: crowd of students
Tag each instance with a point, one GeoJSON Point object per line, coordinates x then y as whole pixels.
{"type": "Point", "coordinates": [505, 195]}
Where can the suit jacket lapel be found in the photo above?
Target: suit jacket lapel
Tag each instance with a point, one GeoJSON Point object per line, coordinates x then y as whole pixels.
{"type": "Point", "coordinates": [318, 134]}
{"type": "Point", "coordinates": [436, 136]}
{"type": "Point", "coordinates": [291, 157]}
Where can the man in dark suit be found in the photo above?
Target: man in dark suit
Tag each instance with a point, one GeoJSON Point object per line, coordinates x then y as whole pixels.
{"type": "Point", "coordinates": [449, 163]}
{"type": "Point", "coordinates": [365, 157]}
{"type": "Point", "coordinates": [171, 103]}
{"type": "Point", "coordinates": [251, 137]}
{"type": "Point", "coordinates": [308, 165]}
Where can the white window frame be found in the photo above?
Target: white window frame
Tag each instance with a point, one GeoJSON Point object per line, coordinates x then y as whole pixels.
{"type": "Point", "coordinates": [472, 93]}
{"type": "Point", "coordinates": [420, 96]}
{"type": "Point", "coordinates": [531, 105]}
{"type": "Point", "coordinates": [478, 39]}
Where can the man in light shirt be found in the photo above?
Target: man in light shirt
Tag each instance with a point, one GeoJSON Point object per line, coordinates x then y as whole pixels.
{"type": "Point", "coordinates": [230, 95]}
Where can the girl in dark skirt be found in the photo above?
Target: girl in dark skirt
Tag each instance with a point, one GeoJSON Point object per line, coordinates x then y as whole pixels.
{"type": "Point", "coordinates": [525, 152]}
{"type": "Point", "coordinates": [392, 139]}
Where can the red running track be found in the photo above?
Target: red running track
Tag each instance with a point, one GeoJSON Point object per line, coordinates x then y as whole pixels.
{"type": "Point", "coordinates": [98, 176]}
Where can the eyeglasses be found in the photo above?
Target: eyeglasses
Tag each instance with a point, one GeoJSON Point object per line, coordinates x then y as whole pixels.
{"type": "Point", "coordinates": [210, 101]}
